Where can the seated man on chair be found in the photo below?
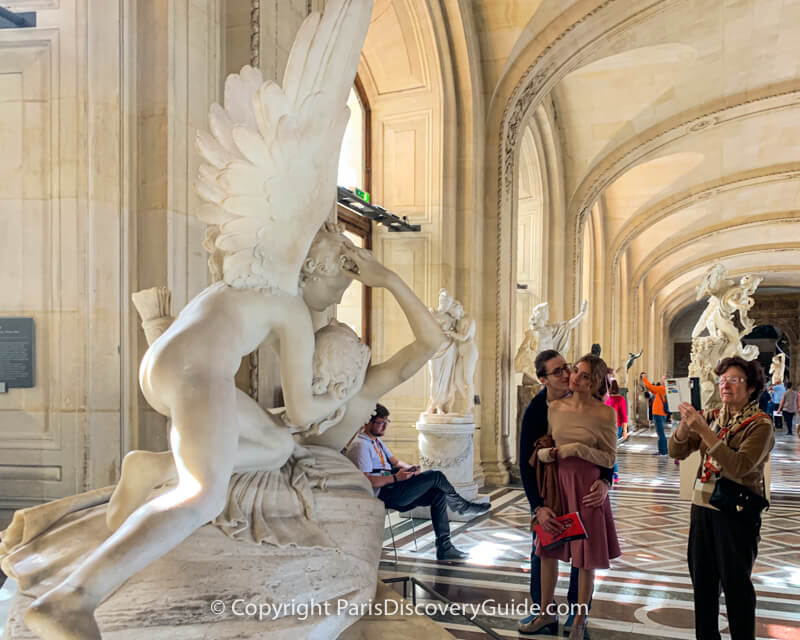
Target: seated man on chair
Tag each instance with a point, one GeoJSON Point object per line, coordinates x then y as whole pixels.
{"type": "Point", "coordinates": [402, 487]}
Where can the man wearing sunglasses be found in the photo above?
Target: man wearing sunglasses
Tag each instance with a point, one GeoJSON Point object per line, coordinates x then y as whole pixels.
{"type": "Point", "coordinates": [553, 372]}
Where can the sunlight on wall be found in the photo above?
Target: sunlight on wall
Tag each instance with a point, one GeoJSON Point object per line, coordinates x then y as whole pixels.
{"type": "Point", "coordinates": [351, 158]}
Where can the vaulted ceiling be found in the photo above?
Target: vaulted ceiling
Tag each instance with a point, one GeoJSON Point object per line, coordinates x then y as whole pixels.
{"type": "Point", "coordinates": [686, 131]}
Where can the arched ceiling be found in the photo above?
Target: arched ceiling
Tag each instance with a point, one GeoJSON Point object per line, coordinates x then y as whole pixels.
{"type": "Point", "coordinates": [687, 128]}
{"type": "Point", "coordinates": [393, 58]}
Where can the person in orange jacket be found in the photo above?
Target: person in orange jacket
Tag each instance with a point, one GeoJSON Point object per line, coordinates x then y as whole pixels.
{"type": "Point", "coordinates": [659, 392]}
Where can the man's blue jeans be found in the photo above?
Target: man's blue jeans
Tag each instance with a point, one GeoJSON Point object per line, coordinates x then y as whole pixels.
{"type": "Point", "coordinates": [660, 421]}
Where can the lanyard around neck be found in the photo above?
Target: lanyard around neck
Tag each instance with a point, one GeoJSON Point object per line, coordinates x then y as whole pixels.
{"type": "Point", "coordinates": [379, 450]}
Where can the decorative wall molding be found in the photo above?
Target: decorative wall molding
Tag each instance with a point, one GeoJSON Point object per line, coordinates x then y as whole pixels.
{"type": "Point", "coordinates": [255, 47]}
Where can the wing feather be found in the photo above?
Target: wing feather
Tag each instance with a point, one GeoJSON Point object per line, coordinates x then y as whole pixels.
{"type": "Point", "coordinates": [253, 148]}
{"type": "Point", "coordinates": [248, 207]}
{"type": "Point", "coordinates": [271, 157]}
{"type": "Point", "coordinates": [239, 98]}
{"type": "Point", "coordinates": [325, 59]}
{"type": "Point", "coordinates": [270, 106]}
{"type": "Point", "coordinates": [212, 214]}
{"type": "Point", "coordinates": [211, 150]}
{"type": "Point", "coordinates": [240, 227]}
{"type": "Point", "coordinates": [209, 191]}
{"type": "Point", "coordinates": [207, 172]}
{"type": "Point", "coordinates": [221, 126]}
{"type": "Point", "coordinates": [241, 178]}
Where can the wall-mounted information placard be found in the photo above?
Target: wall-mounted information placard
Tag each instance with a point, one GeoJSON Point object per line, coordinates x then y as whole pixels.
{"type": "Point", "coordinates": [17, 352]}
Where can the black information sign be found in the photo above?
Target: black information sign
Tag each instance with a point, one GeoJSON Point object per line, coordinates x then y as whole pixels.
{"type": "Point", "coordinates": [17, 352]}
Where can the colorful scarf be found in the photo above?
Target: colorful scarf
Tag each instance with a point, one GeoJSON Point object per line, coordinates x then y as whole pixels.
{"type": "Point", "coordinates": [727, 424]}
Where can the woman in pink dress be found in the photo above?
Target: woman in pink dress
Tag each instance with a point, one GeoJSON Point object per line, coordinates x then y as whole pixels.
{"type": "Point", "coordinates": [585, 432]}
{"type": "Point", "coordinates": [617, 402]}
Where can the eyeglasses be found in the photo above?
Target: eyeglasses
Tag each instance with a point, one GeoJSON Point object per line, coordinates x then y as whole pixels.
{"type": "Point", "coordinates": [559, 371]}
{"type": "Point", "coordinates": [380, 421]}
{"type": "Point", "coordinates": [730, 380]}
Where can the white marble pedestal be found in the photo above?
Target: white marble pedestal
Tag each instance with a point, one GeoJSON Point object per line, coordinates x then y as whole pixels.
{"type": "Point", "coordinates": [446, 444]}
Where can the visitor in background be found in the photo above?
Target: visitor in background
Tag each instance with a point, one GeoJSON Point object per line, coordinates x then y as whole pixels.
{"type": "Point", "coordinates": [765, 402]}
{"type": "Point", "coordinates": [723, 543]}
{"type": "Point", "coordinates": [620, 407]}
{"type": "Point", "coordinates": [554, 374]}
{"type": "Point", "coordinates": [788, 407]}
{"type": "Point", "coordinates": [659, 392]}
{"type": "Point", "coordinates": [585, 432]}
{"type": "Point", "coordinates": [777, 395]}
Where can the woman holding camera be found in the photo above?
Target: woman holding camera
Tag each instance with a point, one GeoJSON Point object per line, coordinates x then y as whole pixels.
{"type": "Point", "coordinates": [729, 494]}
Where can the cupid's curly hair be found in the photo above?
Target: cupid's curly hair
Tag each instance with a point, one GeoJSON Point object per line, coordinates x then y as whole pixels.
{"type": "Point", "coordinates": [340, 360]}
{"type": "Point", "coordinates": [599, 374]}
{"type": "Point", "coordinates": [752, 369]}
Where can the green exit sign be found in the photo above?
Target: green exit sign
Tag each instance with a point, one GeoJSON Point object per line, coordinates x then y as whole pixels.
{"type": "Point", "coordinates": [364, 195]}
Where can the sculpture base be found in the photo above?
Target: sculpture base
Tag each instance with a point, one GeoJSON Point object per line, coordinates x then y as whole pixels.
{"type": "Point", "coordinates": [216, 587]}
{"type": "Point", "coordinates": [446, 444]}
{"type": "Point", "coordinates": [370, 626]}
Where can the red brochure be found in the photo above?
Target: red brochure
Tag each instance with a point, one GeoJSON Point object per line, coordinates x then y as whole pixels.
{"type": "Point", "coordinates": [573, 530]}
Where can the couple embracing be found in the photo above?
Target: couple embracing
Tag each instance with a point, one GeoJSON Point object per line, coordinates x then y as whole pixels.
{"type": "Point", "coordinates": [567, 452]}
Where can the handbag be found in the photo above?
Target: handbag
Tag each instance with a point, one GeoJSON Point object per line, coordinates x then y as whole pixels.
{"type": "Point", "coordinates": [736, 499]}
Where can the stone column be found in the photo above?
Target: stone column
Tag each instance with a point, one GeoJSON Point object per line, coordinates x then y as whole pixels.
{"type": "Point", "coordinates": [525, 393]}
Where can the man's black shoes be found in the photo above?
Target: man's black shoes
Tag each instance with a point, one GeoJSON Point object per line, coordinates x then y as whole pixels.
{"type": "Point", "coordinates": [474, 508]}
{"type": "Point", "coordinates": [465, 507]}
{"type": "Point", "coordinates": [449, 552]}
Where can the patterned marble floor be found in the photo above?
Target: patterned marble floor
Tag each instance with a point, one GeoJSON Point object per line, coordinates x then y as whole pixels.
{"type": "Point", "coordinates": [647, 592]}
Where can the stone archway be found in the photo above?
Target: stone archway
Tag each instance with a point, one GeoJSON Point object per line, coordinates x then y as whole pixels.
{"type": "Point", "coordinates": [782, 311]}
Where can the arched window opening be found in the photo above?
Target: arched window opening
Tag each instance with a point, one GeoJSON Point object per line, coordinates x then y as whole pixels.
{"type": "Point", "coordinates": [355, 309]}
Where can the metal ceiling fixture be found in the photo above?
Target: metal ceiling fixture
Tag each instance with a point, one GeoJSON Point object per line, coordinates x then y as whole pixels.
{"type": "Point", "coordinates": [354, 203]}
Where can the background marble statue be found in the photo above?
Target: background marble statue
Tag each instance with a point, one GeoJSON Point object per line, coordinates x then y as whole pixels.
{"type": "Point", "coordinates": [777, 368]}
{"type": "Point", "coordinates": [442, 365]}
{"type": "Point", "coordinates": [542, 335]}
{"type": "Point", "coordinates": [621, 373]}
{"type": "Point", "coordinates": [466, 360]}
{"type": "Point", "coordinates": [269, 182]}
{"type": "Point", "coordinates": [723, 339]}
{"type": "Point", "coordinates": [452, 369]}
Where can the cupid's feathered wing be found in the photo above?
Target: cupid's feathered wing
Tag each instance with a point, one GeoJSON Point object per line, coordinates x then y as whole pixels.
{"type": "Point", "coordinates": [273, 153]}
